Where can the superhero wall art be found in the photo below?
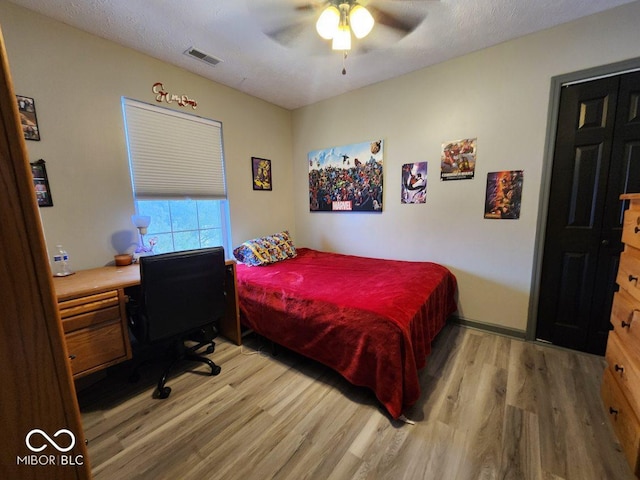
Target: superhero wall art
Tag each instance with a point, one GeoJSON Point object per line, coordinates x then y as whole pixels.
{"type": "Point", "coordinates": [458, 159]}
{"type": "Point", "coordinates": [414, 183]}
{"type": "Point", "coordinates": [504, 195]}
{"type": "Point", "coordinates": [347, 178]}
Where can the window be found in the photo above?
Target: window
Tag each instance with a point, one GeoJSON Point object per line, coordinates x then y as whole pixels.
{"type": "Point", "coordinates": [177, 172]}
{"type": "Point", "coordinates": [185, 224]}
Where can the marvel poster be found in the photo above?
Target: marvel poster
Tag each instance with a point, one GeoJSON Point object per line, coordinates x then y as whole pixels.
{"type": "Point", "coordinates": [504, 195]}
{"type": "Point", "coordinates": [414, 183]}
{"type": "Point", "coordinates": [458, 159]}
{"type": "Point", "coordinates": [346, 179]}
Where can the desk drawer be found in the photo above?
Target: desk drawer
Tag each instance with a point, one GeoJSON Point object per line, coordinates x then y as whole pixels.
{"type": "Point", "coordinates": [95, 331]}
{"type": "Point", "coordinates": [623, 365]}
{"type": "Point", "coordinates": [89, 303]}
{"type": "Point", "coordinates": [624, 420]}
{"type": "Point", "coordinates": [96, 347]}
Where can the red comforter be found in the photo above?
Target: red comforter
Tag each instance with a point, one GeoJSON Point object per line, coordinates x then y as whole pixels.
{"type": "Point", "coordinates": [371, 320]}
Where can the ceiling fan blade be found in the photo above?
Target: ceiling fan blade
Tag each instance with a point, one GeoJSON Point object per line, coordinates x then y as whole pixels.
{"type": "Point", "coordinates": [288, 34]}
{"type": "Point", "coordinates": [312, 5]}
{"type": "Point", "coordinates": [406, 24]}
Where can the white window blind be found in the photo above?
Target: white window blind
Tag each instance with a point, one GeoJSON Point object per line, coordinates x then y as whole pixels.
{"type": "Point", "coordinates": [173, 155]}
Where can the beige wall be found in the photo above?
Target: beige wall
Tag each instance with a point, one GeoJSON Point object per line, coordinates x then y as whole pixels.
{"type": "Point", "coordinates": [499, 95]}
{"type": "Point", "coordinates": [77, 81]}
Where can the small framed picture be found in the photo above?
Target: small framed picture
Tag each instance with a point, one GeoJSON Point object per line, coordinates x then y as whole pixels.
{"type": "Point", "coordinates": [41, 184]}
{"type": "Point", "coordinates": [28, 119]}
{"type": "Point", "coordinates": [261, 173]}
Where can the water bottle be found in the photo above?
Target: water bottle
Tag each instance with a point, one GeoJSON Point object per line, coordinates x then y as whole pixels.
{"type": "Point", "coordinates": [61, 266]}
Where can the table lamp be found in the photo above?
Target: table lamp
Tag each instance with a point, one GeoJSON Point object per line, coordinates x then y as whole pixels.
{"type": "Point", "coordinates": [141, 222]}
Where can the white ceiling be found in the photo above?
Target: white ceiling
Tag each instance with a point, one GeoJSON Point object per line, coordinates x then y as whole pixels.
{"type": "Point", "coordinates": [269, 48]}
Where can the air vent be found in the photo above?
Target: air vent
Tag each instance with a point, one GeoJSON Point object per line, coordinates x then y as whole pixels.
{"type": "Point", "coordinates": [195, 53]}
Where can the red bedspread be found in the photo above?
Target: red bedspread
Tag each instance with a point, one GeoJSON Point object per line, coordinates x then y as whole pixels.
{"type": "Point", "coordinates": [371, 320]}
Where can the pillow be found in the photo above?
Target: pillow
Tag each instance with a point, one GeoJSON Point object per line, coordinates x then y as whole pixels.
{"type": "Point", "coordinates": [266, 250]}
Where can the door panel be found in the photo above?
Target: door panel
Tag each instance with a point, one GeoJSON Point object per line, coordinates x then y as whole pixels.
{"type": "Point", "coordinates": [576, 207]}
{"type": "Point", "coordinates": [586, 168]}
{"type": "Point", "coordinates": [598, 141]}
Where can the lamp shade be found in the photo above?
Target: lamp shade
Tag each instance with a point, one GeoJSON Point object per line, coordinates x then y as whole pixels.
{"type": "Point", "coordinates": [361, 21]}
{"type": "Point", "coordinates": [327, 24]}
{"type": "Point", "coordinates": [141, 222]}
{"type": "Point", "coordinates": [342, 38]}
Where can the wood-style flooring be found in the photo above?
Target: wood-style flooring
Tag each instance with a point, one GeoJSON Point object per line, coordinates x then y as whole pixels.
{"type": "Point", "coordinates": [492, 407]}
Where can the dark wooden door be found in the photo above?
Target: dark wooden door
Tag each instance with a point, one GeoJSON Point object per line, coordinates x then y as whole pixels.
{"type": "Point", "coordinates": [596, 158]}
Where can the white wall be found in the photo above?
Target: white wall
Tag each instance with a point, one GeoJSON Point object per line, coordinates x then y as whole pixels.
{"type": "Point", "coordinates": [499, 95]}
{"type": "Point", "coordinates": [77, 81]}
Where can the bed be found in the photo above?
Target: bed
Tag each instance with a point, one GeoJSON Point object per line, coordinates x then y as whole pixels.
{"type": "Point", "coordinates": [371, 320]}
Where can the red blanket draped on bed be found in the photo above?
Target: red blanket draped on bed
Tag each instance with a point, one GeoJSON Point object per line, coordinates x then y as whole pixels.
{"type": "Point", "coordinates": [371, 320]}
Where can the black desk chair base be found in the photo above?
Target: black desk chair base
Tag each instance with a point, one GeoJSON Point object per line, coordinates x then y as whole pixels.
{"type": "Point", "coordinates": [180, 352]}
{"type": "Point", "coordinates": [184, 353]}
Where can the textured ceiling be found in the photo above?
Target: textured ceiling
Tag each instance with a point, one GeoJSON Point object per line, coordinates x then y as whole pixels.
{"type": "Point", "coordinates": [269, 48]}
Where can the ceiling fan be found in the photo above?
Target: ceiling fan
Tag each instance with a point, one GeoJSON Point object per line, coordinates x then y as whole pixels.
{"type": "Point", "coordinates": [289, 23]}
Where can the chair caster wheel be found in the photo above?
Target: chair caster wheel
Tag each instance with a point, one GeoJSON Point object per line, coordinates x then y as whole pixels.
{"type": "Point", "coordinates": [164, 392]}
{"type": "Point", "coordinates": [215, 370]}
{"type": "Point", "coordinates": [210, 349]}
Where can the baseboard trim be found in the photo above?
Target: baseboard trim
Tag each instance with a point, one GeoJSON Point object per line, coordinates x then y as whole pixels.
{"type": "Point", "coordinates": [489, 327]}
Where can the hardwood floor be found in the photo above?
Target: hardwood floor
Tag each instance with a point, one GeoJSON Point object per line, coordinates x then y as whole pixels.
{"type": "Point", "coordinates": [492, 407]}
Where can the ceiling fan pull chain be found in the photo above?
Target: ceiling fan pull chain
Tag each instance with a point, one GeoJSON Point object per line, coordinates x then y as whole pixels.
{"type": "Point", "coordinates": [344, 58]}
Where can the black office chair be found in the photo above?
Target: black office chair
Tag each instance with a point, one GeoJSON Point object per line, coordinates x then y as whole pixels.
{"type": "Point", "coordinates": [181, 298]}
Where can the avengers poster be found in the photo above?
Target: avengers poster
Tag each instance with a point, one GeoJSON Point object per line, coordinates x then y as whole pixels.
{"type": "Point", "coordinates": [414, 183]}
{"type": "Point", "coordinates": [347, 178]}
{"type": "Point", "coordinates": [504, 195]}
{"type": "Point", "coordinates": [458, 159]}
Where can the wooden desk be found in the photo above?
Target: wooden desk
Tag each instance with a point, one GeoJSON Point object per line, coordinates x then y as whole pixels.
{"type": "Point", "coordinates": [92, 306]}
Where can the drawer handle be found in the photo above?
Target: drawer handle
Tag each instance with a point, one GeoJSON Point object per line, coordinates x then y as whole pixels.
{"type": "Point", "coordinates": [633, 279]}
{"type": "Point", "coordinates": [618, 368]}
{"type": "Point", "coordinates": [613, 411]}
{"type": "Point", "coordinates": [636, 230]}
{"type": "Point", "coordinates": [631, 315]}
{"type": "Point", "coordinates": [72, 357]}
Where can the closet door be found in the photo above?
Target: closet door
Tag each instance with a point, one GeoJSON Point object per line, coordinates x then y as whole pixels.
{"type": "Point", "coordinates": [595, 161]}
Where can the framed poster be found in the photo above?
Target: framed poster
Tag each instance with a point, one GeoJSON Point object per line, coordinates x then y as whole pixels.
{"type": "Point", "coordinates": [504, 195]}
{"type": "Point", "coordinates": [261, 173]}
{"type": "Point", "coordinates": [347, 178]}
{"type": "Point", "coordinates": [28, 119]}
{"type": "Point", "coordinates": [41, 184]}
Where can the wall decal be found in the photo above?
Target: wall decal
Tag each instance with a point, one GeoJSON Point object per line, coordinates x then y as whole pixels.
{"type": "Point", "coordinates": [163, 95]}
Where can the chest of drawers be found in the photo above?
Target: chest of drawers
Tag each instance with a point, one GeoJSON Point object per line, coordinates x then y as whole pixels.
{"type": "Point", "coordinates": [621, 380]}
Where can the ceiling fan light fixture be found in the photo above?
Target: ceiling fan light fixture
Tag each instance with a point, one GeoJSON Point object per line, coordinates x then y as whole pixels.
{"type": "Point", "coordinates": [361, 21]}
{"type": "Point", "coordinates": [328, 22]}
{"type": "Point", "coordinates": [342, 38]}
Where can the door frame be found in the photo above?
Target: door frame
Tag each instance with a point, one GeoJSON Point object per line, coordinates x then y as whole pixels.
{"type": "Point", "coordinates": [557, 83]}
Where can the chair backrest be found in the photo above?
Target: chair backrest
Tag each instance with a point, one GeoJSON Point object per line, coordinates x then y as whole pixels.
{"type": "Point", "coordinates": [181, 292]}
